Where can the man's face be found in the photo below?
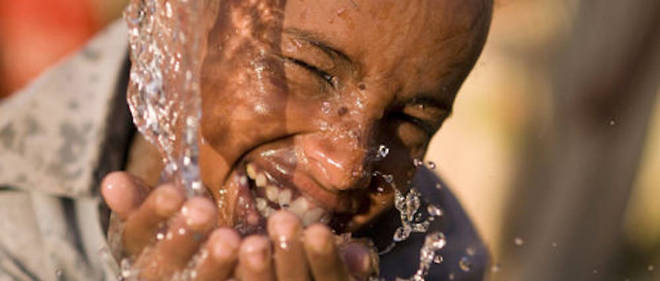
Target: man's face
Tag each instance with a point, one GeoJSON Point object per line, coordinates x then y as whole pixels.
{"type": "Point", "coordinates": [300, 96]}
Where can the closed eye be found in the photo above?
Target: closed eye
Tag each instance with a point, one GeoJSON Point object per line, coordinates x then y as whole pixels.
{"type": "Point", "coordinates": [423, 125]}
{"type": "Point", "coordinates": [315, 70]}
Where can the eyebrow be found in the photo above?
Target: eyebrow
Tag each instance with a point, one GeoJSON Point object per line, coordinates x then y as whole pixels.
{"type": "Point", "coordinates": [318, 41]}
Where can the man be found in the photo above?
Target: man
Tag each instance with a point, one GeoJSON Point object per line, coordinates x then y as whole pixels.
{"type": "Point", "coordinates": [340, 79]}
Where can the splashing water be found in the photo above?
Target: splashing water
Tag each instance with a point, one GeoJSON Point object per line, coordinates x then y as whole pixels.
{"type": "Point", "coordinates": [383, 151]}
{"type": "Point", "coordinates": [167, 43]}
{"type": "Point", "coordinates": [518, 241]}
{"type": "Point", "coordinates": [166, 49]}
{"type": "Point", "coordinates": [408, 206]}
{"type": "Point", "coordinates": [465, 264]}
{"type": "Point", "coordinates": [428, 255]}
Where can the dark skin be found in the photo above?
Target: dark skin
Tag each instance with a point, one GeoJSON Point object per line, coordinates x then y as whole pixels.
{"type": "Point", "coordinates": [320, 85]}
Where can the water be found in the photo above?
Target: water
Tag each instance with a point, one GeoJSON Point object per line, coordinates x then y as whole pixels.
{"type": "Point", "coordinates": [412, 221]}
{"type": "Point", "coordinates": [167, 41]}
{"type": "Point", "coordinates": [518, 241]}
{"type": "Point", "coordinates": [465, 264]}
{"type": "Point", "coordinates": [382, 151]}
{"type": "Point", "coordinates": [428, 255]}
{"type": "Point", "coordinates": [408, 206]}
{"type": "Point", "coordinates": [166, 48]}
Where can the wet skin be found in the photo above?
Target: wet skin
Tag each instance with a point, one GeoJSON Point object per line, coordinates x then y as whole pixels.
{"type": "Point", "coordinates": [297, 97]}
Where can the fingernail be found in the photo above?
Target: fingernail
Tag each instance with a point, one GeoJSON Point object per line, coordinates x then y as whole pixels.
{"type": "Point", "coordinates": [256, 252]}
{"type": "Point", "coordinates": [168, 201]}
{"type": "Point", "coordinates": [225, 243]}
{"type": "Point", "coordinates": [284, 224]}
{"type": "Point", "coordinates": [200, 213]}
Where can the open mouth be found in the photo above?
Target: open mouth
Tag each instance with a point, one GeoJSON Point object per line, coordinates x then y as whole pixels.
{"type": "Point", "coordinates": [265, 187]}
{"type": "Point", "coordinates": [270, 195]}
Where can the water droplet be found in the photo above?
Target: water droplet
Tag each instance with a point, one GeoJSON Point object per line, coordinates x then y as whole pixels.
{"type": "Point", "coordinates": [434, 210]}
{"type": "Point", "coordinates": [431, 165]}
{"type": "Point", "coordinates": [401, 233]}
{"type": "Point", "coordinates": [383, 151]}
{"type": "Point", "coordinates": [125, 266]}
{"type": "Point", "coordinates": [470, 251]}
{"type": "Point", "coordinates": [168, 8]}
{"type": "Point", "coordinates": [451, 276]}
{"type": "Point", "coordinates": [284, 244]}
{"type": "Point", "coordinates": [437, 241]}
{"type": "Point", "coordinates": [438, 186]}
{"type": "Point", "coordinates": [612, 122]}
{"type": "Point", "coordinates": [380, 189]}
{"type": "Point", "coordinates": [518, 241]}
{"type": "Point", "coordinates": [181, 231]}
{"type": "Point", "coordinates": [160, 236]}
{"type": "Point", "coordinates": [465, 264]}
{"type": "Point", "coordinates": [495, 268]}
{"type": "Point", "coordinates": [651, 267]}
{"type": "Point", "coordinates": [438, 259]}
{"type": "Point", "coordinates": [595, 271]}
{"type": "Point", "coordinates": [325, 107]}
{"type": "Point", "coordinates": [417, 162]}
{"type": "Point", "coordinates": [554, 244]}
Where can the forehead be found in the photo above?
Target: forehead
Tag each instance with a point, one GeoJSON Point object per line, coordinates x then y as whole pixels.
{"type": "Point", "coordinates": [421, 41]}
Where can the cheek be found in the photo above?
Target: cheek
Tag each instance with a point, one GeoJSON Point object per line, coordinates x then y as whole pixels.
{"type": "Point", "coordinates": [406, 142]}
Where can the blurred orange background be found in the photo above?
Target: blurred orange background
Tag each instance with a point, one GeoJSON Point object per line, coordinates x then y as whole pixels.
{"type": "Point", "coordinates": [35, 34]}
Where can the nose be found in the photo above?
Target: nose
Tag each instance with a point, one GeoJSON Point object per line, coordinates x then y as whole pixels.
{"type": "Point", "coordinates": [340, 160]}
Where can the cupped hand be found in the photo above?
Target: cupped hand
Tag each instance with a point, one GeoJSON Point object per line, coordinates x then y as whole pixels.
{"type": "Point", "coordinates": [165, 234]}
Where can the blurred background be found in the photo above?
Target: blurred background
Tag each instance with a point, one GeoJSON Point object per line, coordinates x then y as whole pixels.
{"type": "Point", "coordinates": [554, 144]}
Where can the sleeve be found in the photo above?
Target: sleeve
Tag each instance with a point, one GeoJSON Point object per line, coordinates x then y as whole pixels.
{"type": "Point", "coordinates": [45, 237]}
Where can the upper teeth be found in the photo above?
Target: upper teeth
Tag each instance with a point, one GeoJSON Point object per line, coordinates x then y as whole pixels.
{"type": "Point", "coordinates": [284, 198]}
{"type": "Point", "coordinates": [260, 180]}
{"type": "Point", "coordinates": [272, 193]}
{"type": "Point", "coordinates": [300, 206]}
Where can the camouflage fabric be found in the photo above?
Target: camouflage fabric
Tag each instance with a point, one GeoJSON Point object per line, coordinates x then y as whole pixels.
{"type": "Point", "coordinates": [58, 137]}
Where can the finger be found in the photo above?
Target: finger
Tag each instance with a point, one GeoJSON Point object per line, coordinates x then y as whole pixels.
{"type": "Point", "coordinates": [360, 260]}
{"type": "Point", "coordinates": [221, 256]}
{"type": "Point", "coordinates": [254, 260]}
{"type": "Point", "coordinates": [187, 230]}
{"type": "Point", "coordinates": [143, 224]}
{"type": "Point", "coordinates": [123, 193]}
{"type": "Point", "coordinates": [322, 254]}
{"type": "Point", "coordinates": [285, 231]}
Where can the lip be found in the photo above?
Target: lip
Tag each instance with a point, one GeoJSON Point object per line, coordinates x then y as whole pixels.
{"type": "Point", "coordinates": [283, 172]}
{"type": "Point", "coordinates": [290, 176]}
